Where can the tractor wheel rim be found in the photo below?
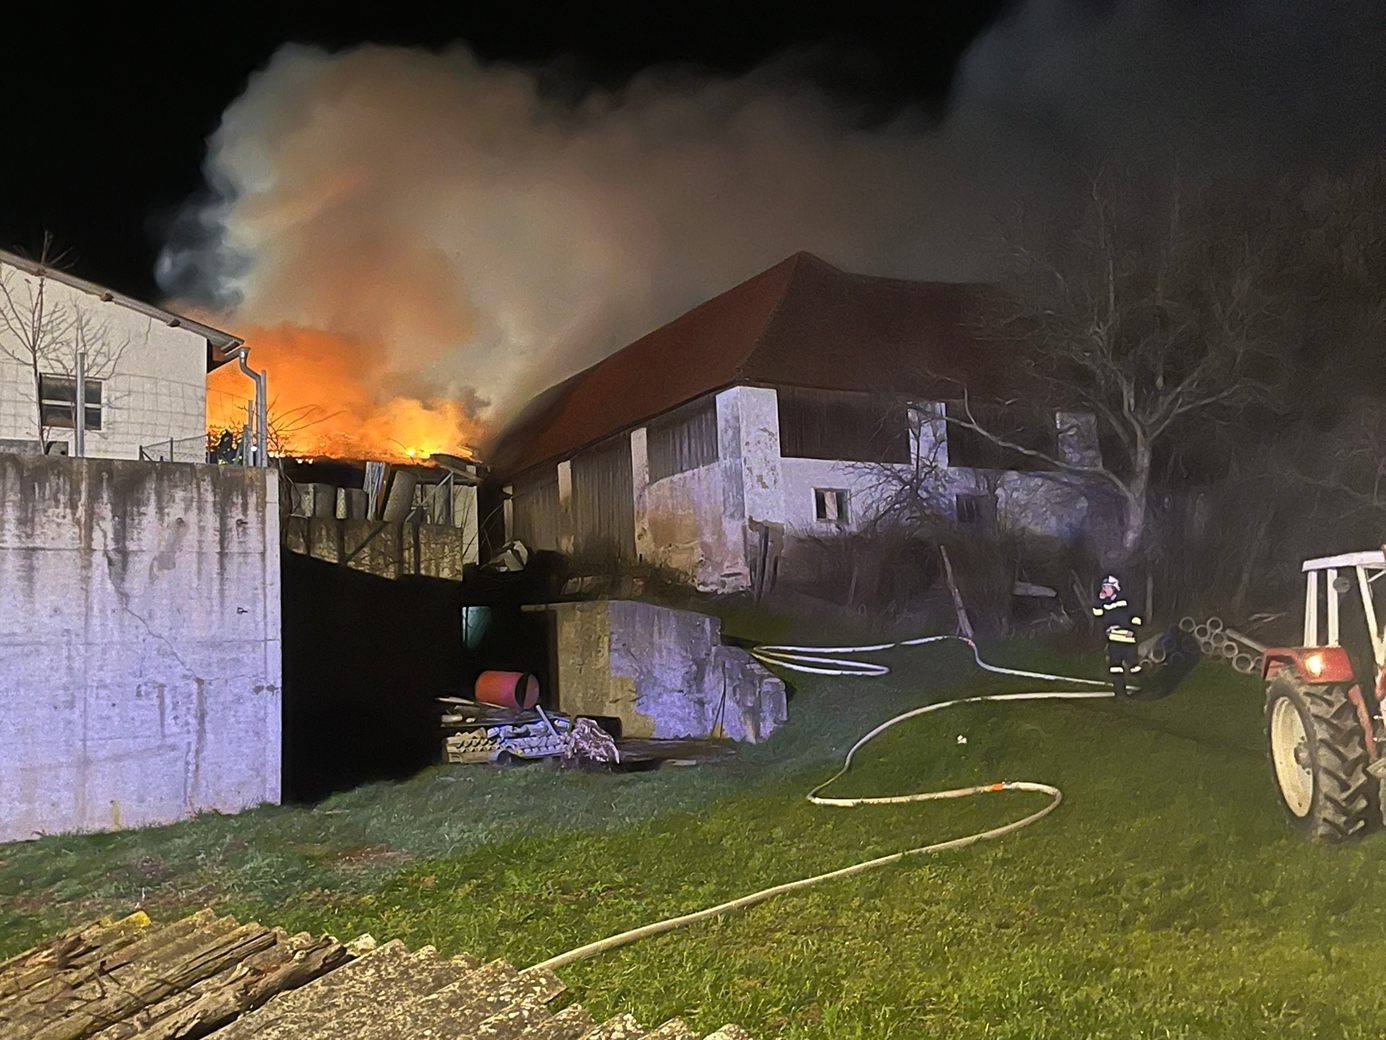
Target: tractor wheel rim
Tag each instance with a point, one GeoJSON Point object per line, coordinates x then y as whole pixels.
{"type": "Point", "coordinates": [1290, 753]}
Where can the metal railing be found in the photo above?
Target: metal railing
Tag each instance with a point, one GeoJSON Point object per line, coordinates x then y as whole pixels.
{"type": "Point", "coordinates": [176, 449]}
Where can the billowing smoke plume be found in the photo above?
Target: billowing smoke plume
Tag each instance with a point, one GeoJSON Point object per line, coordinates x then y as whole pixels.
{"type": "Point", "coordinates": [465, 239]}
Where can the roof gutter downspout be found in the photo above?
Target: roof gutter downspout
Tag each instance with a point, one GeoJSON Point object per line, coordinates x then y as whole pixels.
{"type": "Point", "coordinates": [240, 352]}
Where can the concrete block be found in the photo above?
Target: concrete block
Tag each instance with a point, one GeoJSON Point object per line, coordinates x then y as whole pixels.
{"type": "Point", "coordinates": [315, 500]}
{"type": "Point", "coordinates": [664, 673]}
{"type": "Point", "coordinates": [400, 501]}
{"type": "Point", "coordinates": [440, 552]}
{"type": "Point", "coordinates": [351, 503]}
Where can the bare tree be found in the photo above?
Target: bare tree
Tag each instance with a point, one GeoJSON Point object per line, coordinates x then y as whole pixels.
{"type": "Point", "coordinates": [1144, 316]}
{"type": "Point", "coordinates": [1348, 463]}
{"type": "Point", "coordinates": [287, 428]}
{"type": "Point", "coordinates": [47, 335]}
{"type": "Point", "coordinates": [909, 495]}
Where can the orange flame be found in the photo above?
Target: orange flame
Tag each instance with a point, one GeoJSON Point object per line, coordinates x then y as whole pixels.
{"type": "Point", "coordinates": [325, 401]}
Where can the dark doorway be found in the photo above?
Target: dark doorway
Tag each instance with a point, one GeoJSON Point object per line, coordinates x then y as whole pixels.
{"type": "Point", "coordinates": [364, 660]}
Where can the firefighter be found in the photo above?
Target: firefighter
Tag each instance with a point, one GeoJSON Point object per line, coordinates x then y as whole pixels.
{"type": "Point", "coordinates": [1121, 622]}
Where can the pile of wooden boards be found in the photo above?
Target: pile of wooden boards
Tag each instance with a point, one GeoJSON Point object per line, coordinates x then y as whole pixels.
{"type": "Point", "coordinates": [476, 733]}
{"type": "Point", "coordinates": [209, 976]}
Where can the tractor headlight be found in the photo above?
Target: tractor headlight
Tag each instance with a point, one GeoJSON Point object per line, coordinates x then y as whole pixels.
{"type": "Point", "coordinates": [1314, 662]}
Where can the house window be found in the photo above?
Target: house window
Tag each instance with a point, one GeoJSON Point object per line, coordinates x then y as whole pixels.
{"type": "Point", "coordinates": [979, 510]}
{"type": "Point", "coordinates": [830, 505]}
{"type": "Point", "coordinates": [1028, 428]}
{"type": "Point", "coordinates": [58, 400]}
{"type": "Point", "coordinates": [842, 425]}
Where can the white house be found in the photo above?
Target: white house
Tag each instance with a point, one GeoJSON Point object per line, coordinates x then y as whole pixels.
{"type": "Point", "coordinates": [145, 371]}
{"type": "Point", "coordinates": [804, 400]}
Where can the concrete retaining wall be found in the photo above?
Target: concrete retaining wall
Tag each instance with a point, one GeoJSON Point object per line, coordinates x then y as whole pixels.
{"type": "Point", "coordinates": [139, 642]}
{"type": "Point", "coordinates": [662, 672]}
{"type": "Point", "coordinates": [387, 550]}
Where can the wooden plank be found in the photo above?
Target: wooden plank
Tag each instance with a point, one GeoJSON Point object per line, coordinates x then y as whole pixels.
{"type": "Point", "coordinates": [113, 996]}
{"type": "Point", "coordinates": [206, 1007]}
{"type": "Point", "coordinates": [72, 949]}
{"type": "Point", "coordinates": [964, 624]}
{"type": "Point", "coordinates": [62, 988]}
{"type": "Point", "coordinates": [173, 1007]}
{"type": "Point", "coordinates": [83, 936]}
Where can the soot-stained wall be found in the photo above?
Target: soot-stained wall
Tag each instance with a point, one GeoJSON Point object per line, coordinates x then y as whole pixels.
{"type": "Point", "coordinates": [139, 642]}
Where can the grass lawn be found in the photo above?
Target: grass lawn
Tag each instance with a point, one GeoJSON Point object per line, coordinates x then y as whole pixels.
{"type": "Point", "coordinates": [1166, 897]}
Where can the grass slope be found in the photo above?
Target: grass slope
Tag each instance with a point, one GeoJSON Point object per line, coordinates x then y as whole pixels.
{"type": "Point", "coordinates": [1166, 898]}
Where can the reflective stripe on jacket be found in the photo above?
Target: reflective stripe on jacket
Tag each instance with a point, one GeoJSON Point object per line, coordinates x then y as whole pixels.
{"type": "Point", "coordinates": [1122, 620]}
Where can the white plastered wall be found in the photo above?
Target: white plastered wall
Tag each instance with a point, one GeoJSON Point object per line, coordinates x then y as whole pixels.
{"type": "Point", "coordinates": [154, 391]}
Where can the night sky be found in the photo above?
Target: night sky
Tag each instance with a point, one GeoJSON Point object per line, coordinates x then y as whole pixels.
{"type": "Point", "coordinates": [105, 135]}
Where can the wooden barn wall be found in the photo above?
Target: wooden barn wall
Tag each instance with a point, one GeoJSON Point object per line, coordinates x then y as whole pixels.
{"type": "Point", "coordinates": [604, 500]}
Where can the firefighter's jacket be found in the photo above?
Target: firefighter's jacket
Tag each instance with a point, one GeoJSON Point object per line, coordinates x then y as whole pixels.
{"type": "Point", "coordinates": [1119, 618]}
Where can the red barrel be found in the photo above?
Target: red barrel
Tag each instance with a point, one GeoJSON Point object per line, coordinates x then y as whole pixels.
{"type": "Point", "coordinates": [508, 689]}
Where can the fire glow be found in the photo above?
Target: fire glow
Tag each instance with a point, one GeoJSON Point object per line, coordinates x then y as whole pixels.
{"type": "Point", "coordinates": [326, 401]}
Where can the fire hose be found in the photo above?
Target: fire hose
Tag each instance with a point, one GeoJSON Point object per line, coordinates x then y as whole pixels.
{"type": "Point", "coordinates": [838, 661]}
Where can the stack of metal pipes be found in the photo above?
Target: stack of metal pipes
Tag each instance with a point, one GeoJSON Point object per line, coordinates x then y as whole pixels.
{"type": "Point", "coordinates": [1215, 640]}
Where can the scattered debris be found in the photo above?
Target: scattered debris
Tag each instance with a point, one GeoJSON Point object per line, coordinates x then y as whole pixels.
{"type": "Point", "coordinates": [482, 733]}
{"type": "Point", "coordinates": [587, 741]}
{"type": "Point", "coordinates": [486, 733]}
{"type": "Point", "coordinates": [513, 556]}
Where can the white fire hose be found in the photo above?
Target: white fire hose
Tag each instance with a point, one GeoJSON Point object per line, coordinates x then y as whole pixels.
{"type": "Point", "coordinates": [836, 660]}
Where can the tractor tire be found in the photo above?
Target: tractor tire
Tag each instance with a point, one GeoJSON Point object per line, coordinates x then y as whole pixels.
{"type": "Point", "coordinates": [1318, 757]}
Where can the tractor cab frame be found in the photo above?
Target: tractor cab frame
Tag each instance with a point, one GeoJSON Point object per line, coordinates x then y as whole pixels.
{"type": "Point", "coordinates": [1324, 727]}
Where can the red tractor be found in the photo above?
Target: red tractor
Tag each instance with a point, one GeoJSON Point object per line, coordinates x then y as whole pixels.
{"type": "Point", "coordinates": [1324, 702]}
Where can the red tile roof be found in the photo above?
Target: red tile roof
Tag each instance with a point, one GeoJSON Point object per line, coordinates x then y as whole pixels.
{"type": "Point", "coordinates": [801, 323]}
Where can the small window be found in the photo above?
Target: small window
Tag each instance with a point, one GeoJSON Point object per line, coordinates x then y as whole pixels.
{"type": "Point", "coordinates": [58, 399]}
{"type": "Point", "coordinates": [975, 509]}
{"type": "Point", "coordinates": [830, 505]}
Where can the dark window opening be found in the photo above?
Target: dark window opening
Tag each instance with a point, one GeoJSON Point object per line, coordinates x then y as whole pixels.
{"type": "Point", "coordinates": [683, 440]}
{"type": "Point", "coordinates": [840, 425]}
{"type": "Point", "coordinates": [58, 402]}
{"type": "Point", "coordinates": [978, 510]}
{"type": "Point", "coordinates": [831, 505]}
{"type": "Point", "coordinates": [1027, 428]}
